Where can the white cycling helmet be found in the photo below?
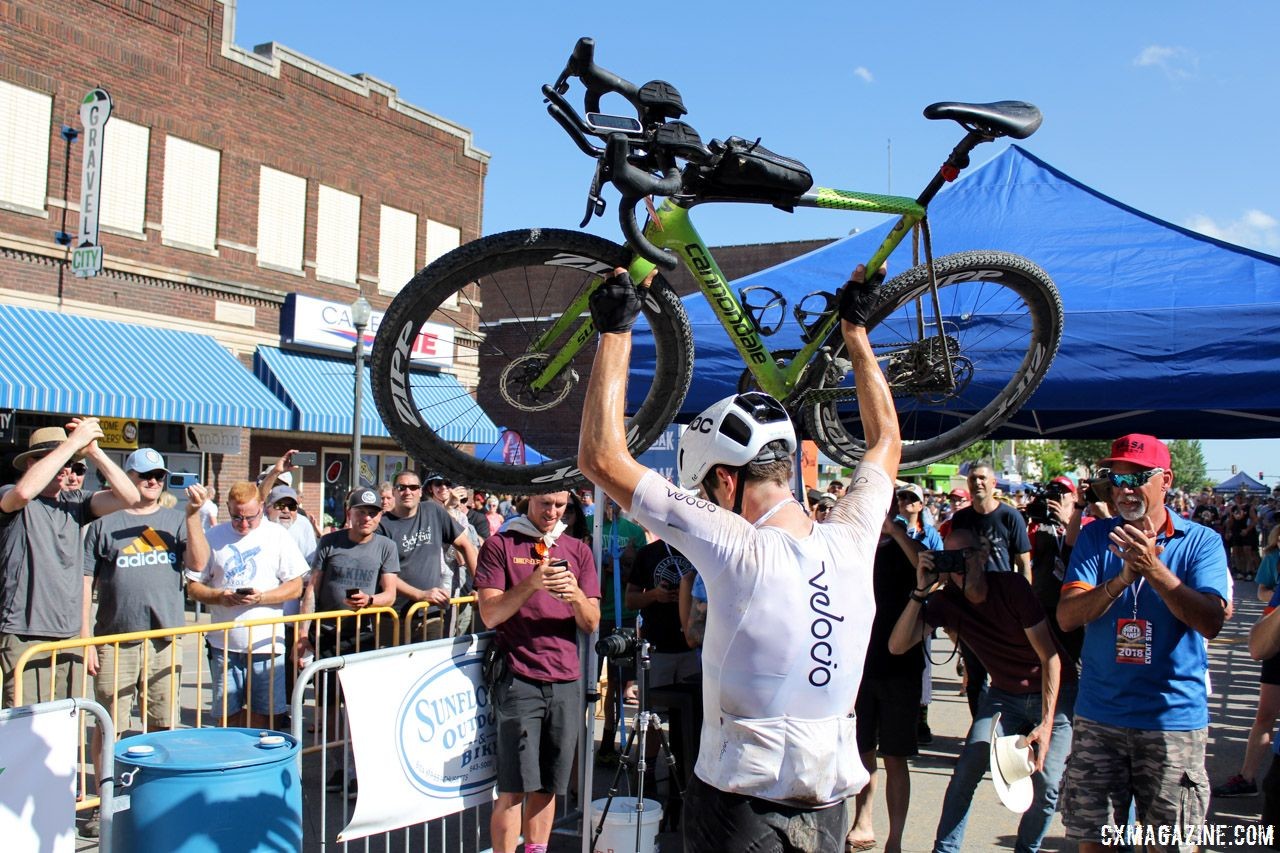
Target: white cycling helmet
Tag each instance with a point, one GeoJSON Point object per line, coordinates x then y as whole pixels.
{"type": "Point", "coordinates": [733, 432]}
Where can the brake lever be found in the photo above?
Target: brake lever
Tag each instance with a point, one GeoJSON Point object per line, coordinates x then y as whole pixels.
{"type": "Point", "coordinates": [595, 202]}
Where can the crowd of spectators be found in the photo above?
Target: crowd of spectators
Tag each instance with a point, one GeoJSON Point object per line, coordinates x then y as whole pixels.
{"type": "Point", "coordinates": [424, 538]}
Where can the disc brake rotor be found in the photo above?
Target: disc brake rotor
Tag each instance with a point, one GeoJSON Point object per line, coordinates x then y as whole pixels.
{"type": "Point", "coordinates": [516, 383]}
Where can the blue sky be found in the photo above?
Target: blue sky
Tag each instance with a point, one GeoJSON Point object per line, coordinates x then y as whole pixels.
{"type": "Point", "coordinates": [1168, 107]}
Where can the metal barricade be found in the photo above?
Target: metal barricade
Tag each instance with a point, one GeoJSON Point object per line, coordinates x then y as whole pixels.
{"type": "Point", "coordinates": [419, 627]}
{"type": "Point", "coordinates": [187, 677]}
{"type": "Point", "coordinates": [315, 698]}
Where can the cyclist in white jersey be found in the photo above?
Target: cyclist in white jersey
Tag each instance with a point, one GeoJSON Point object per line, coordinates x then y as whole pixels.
{"type": "Point", "coordinates": [790, 602]}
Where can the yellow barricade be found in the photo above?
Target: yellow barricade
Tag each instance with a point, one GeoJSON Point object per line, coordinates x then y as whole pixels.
{"type": "Point", "coordinates": [418, 627]}
{"type": "Point", "coordinates": [154, 660]}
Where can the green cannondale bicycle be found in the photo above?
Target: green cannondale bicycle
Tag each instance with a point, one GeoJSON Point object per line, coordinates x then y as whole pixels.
{"type": "Point", "coordinates": [963, 339]}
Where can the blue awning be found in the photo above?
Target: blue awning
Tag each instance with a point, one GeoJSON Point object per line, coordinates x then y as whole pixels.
{"type": "Point", "coordinates": [320, 393]}
{"type": "Point", "coordinates": [69, 364]}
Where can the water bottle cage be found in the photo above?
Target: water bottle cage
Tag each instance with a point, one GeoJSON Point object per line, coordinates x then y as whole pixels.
{"type": "Point", "coordinates": [771, 300]}
{"type": "Point", "coordinates": [810, 318]}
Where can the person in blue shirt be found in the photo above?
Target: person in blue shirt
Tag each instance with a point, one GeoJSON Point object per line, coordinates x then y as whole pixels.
{"type": "Point", "coordinates": [1149, 587]}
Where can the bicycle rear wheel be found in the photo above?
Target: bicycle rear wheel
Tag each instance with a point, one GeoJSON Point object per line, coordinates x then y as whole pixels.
{"type": "Point", "coordinates": [501, 293]}
{"type": "Point", "coordinates": [1001, 323]}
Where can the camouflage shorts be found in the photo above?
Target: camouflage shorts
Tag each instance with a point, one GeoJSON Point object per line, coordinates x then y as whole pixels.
{"type": "Point", "coordinates": [1163, 771]}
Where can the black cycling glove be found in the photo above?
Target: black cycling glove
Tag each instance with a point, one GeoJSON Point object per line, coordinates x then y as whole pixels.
{"type": "Point", "coordinates": [859, 298]}
{"type": "Point", "coordinates": [615, 305]}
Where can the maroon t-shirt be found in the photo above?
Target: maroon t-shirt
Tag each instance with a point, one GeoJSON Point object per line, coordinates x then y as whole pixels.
{"type": "Point", "coordinates": [996, 630]}
{"type": "Point", "coordinates": [541, 638]}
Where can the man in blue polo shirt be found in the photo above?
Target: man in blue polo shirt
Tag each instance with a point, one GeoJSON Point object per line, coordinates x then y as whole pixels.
{"type": "Point", "coordinates": [1148, 586]}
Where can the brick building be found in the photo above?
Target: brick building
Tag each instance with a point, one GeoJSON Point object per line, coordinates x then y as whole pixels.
{"type": "Point", "coordinates": [247, 197]}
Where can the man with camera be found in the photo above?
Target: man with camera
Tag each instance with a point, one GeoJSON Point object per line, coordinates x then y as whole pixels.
{"type": "Point", "coordinates": [1032, 683]}
{"type": "Point", "coordinates": [1149, 587]}
{"type": "Point", "coordinates": [1004, 531]}
{"type": "Point", "coordinates": [789, 601]}
{"type": "Point", "coordinates": [537, 588]}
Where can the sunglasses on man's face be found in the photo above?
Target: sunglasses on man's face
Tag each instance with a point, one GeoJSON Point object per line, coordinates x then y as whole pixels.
{"type": "Point", "coordinates": [157, 475]}
{"type": "Point", "coordinates": [78, 468]}
{"type": "Point", "coordinates": [1129, 481]}
{"type": "Point", "coordinates": [408, 487]}
{"type": "Point", "coordinates": [287, 505]}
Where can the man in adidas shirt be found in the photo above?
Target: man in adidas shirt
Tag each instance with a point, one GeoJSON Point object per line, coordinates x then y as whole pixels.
{"type": "Point", "coordinates": [135, 559]}
{"type": "Point", "coordinates": [789, 601]}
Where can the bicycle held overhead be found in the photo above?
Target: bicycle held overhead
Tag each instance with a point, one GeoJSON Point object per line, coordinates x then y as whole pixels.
{"type": "Point", "coordinates": [964, 339]}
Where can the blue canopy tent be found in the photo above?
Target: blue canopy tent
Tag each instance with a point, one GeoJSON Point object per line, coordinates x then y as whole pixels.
{"type": "Point", "coordinates": [1167, 331]}
{"type": "Point", "coordinates": [1241, 482]}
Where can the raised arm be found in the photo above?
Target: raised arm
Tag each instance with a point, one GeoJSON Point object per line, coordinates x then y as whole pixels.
{"type": "Point", "coordinates": [284, 463]}
{"type": "Point", "coordinates": [602, 447]}
{"type": "Point", "coordinates": [875, 403]}
{"type": "Point", "coordinates": [198, 552]}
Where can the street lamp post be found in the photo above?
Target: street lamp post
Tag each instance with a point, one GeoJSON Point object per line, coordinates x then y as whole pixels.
{"type": "Point", "coordinates": [361, 310]}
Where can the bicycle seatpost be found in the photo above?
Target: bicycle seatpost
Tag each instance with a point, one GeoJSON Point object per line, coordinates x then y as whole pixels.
{"type": "Point", "coordinates": [950, 169]}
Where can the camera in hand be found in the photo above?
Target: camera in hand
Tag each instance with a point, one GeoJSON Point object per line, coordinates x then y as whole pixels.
{"type": "Point", "coordinates": [946, 562]}
{"type": "Point", "coordinates": [1038, 509]}
{"type": "Point", "coordinates": [621, 643]}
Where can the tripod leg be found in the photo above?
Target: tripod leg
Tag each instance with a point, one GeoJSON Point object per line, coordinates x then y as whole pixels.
{"type": "Point", "coordinates": [674, 803]}
{"type": "Point", "coordinates": [618, 772]}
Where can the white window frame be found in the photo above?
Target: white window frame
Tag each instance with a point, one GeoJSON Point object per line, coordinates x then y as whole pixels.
{"type": "Point", "coordinates": [282, 220]}
{"type": "Point", "coordinates": [26, 117]}
{"type": "Point", "coordinates": [126, 158]}
{"type": "Point", "coordinates": [397, 248]}
{"type": "Point", "coordinates": [337, 236]}
{"type": "Point", "coordinates": [441, 239]}
{"type": "Point", "coordinates": [189, 218]}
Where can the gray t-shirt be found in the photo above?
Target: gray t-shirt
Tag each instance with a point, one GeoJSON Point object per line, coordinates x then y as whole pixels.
{"type": "Point", "coordinates": [136, 561]}
{"type": "Point", "coordinates": [348, 565]}
{"type": "Point", "coordinates": [420, 542]}
{"type": "Point", "coordinates": [41, 580]}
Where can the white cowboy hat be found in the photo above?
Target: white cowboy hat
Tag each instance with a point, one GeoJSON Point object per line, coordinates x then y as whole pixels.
{"type": "Point", "coordinates": [1011, 767]}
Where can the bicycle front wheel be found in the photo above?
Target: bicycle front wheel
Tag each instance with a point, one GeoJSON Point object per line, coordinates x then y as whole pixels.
{"type": "Point", "coordinates": [957, 370]}
{"type": "Point", "coordinates": [502, 294]}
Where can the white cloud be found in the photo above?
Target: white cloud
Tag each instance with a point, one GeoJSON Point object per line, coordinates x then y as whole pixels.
{"type": "Point", "coordinates": [1254, 229]}
{"type": "Point", "coordinates": [1177, 63]}
{"type": "Point", "coordinates": [864, 74]}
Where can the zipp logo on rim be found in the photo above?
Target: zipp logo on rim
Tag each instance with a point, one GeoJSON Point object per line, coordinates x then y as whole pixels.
{"type": "Point", "coordinates": [399, 375]}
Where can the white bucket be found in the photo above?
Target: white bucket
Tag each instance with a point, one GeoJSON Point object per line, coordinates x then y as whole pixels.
{"type": "Point", "coordinates": [619, 832]}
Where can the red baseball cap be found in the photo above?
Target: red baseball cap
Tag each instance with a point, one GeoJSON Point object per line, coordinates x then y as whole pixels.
{"type": "Point", "coordinates": [963, 494]}
{"type": "Point", "coordinates": [1145, 450]}
{"type": "Point", "coordinates": [1064, 481]}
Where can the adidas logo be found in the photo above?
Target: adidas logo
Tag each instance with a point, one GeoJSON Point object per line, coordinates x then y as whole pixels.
{"type": "Point", "coordinates": [149, 549]}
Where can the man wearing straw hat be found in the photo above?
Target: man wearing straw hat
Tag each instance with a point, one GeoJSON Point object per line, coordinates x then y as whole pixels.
{"type": "Point", "coordinates": [40, 553]}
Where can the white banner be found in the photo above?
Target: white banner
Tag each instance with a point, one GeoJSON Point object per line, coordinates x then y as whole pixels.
{"type": "Point", "coordinates": [320, 323]}
{"type": "Point", "coordinates": [38, 782]}
{"type": "Point", "coordinates": [423, 735]}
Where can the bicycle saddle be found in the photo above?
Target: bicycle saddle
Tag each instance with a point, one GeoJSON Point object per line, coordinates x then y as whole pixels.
{"type": "Point", "coordinates": [1017, 119]}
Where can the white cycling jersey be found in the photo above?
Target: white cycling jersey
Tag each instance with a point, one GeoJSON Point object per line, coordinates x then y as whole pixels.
{"type": "Point", "coordinates": [788, 622]}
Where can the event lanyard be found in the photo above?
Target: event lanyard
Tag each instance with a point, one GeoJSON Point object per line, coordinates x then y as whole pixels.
{"type": "Point", "coordinates": [779, 505]}
{"type": "Point", "coordinates": [1136, 590]}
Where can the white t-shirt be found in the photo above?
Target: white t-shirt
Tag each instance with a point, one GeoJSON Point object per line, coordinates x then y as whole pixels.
{"type": "Point", "coordinates": [264, 558]}
{"type": "Point", "coordinates": [208, 514]}
{"type": "Point", "coordinates": [788, 623]}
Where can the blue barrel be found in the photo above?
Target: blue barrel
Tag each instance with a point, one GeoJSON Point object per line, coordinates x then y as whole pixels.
{"type": "Point", "coordinates": [208, 791]}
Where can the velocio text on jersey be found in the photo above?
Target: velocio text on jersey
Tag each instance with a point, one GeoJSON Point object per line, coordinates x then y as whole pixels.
{"type": "Point", "coordinates": [719, 296]}
{"type": "Point", "coordinates": [821, 652]}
